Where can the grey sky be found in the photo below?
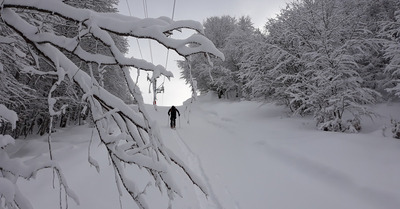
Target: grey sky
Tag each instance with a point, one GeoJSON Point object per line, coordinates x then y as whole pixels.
{"type": "Point", "coordinates": [175, 90]}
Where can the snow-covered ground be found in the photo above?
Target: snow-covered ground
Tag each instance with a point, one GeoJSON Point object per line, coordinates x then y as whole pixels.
{"type": "Point", "coordinates": [249, 156]}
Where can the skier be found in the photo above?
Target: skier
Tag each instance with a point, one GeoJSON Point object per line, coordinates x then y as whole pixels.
{"type": "Point", "coordinates": [172, 112]}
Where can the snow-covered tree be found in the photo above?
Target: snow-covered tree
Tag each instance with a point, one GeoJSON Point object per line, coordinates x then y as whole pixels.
{"type": "Point", "coordinates": [205, 68]}
{"type": "Point", "coordinates": [136, 142]}
{"type": "Point", "coordinates": [368, 45]}
{"type": "Point", "coordinates": [33, 115]}
{"type": "Point", "coordinates": [16, 92]}
{"type": "Point", "coordinates": [222, 76]}
{"type": "Point", "coordinates": [391, 31]}
{"type": "Point", "coordinates": [254, 69]}
{"type": "Point", "coordinates": [218, 29]}
{"type": "Point", "coordinates": [310, 63]}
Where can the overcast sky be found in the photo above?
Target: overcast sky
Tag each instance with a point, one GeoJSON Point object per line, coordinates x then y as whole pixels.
{"type": "Point", "coordinates": [176, 91]}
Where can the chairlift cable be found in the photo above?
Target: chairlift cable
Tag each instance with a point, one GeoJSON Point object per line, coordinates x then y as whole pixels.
{"type": "Point", "coordinates": [173, 10]}
{"type": "Point", "coordinates": [172, 17]}
{"type": "Point", "coordinates": [167, 58]}
{"type": "Point", "coordinates": [146, 15]}
{"type": "Point", "coordinates": [151, 52]}
{"type": "Point", "coordinates": [137, 40]}
{"type": "Point", "coordinates": [166, 61]}
{"type": "Point", "coordinates": [140, 50]}
{"type": "Point", "coordinates": [129, 8]}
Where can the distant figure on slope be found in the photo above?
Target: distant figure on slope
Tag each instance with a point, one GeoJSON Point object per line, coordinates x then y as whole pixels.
{"type": "Point", "coordinates": [172, 112]}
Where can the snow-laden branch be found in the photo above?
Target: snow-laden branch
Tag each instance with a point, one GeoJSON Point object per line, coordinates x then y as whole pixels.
{"type": "Point", "coordinates": [98, 24]}
{"type": "Point", "coordinates": [136, 141]}
{"type": "Point", "coordinates": [8, 115]}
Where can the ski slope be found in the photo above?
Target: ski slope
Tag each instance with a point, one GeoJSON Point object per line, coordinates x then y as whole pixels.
{"type": "Point", "coordinates": [256, 157]}
{"type": "Point", "coordinates": [249, 156]}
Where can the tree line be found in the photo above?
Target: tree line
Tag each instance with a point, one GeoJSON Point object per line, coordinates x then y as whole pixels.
{"type": "Point", "coordinates": [325, 58]}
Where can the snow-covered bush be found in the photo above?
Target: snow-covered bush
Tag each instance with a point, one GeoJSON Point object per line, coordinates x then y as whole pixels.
{"type": "Point", "coordinates": [354, 125]}
{"type": "Point", "coordinates": [136, 142]}
{"type": "Point", "coordinates": [328, 121]}
{"type": "Point", "coordinates": [395, 128]}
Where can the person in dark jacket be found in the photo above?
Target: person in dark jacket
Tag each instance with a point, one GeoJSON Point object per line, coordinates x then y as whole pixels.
{"type": "Point", "coordinates": [172, 113]}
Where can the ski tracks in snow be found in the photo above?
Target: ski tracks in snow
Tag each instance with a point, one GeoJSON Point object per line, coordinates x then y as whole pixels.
{"type": "Point", "coordinates": [195, 165]}
{"type": "Point", "coordinates": [332, 177]}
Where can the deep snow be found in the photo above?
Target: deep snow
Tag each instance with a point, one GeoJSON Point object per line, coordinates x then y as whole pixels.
{"type": "Point", "coordinates": [250, 156]}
